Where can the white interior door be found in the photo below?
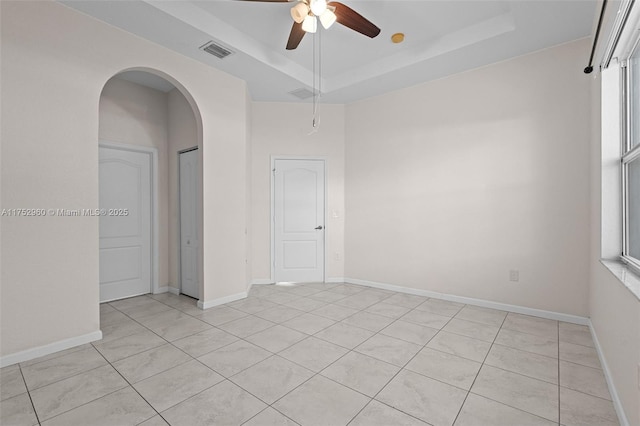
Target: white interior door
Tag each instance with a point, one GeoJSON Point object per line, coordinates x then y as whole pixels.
{"type": "Point", "coordinates": [189, 242]}
{"type": "Point", "coordinates": [299, 220]}
{"type": "Point", "coordinates": [125, 223]}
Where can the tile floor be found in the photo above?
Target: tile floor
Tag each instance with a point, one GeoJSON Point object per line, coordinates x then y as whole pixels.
{"type": "Point", "coordinates": [314, 354]}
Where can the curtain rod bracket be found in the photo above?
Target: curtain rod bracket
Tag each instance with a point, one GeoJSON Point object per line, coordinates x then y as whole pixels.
{"type": "Point", "coordinates": [589, 68]}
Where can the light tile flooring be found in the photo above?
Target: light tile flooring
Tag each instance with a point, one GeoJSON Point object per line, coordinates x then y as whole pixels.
{"type": "Point", "coordinates": [314, 354]}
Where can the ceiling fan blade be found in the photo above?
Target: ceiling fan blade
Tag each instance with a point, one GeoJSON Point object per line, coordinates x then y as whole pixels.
{"type": "Point", "coordinates": [352, 19]}
{"type": "Point", "coordinates": [296, 36]}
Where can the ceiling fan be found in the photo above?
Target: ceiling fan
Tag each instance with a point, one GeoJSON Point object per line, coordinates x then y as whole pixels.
{"type": "Point", "coordinates": [305, 14]}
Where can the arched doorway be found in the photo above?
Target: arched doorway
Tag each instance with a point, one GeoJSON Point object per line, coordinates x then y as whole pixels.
{"type": "Point", "coordinates": [146, 119]}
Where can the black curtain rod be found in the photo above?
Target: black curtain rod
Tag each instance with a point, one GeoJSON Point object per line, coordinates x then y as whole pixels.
{"type": "Point", "coordinates": [589, 68]}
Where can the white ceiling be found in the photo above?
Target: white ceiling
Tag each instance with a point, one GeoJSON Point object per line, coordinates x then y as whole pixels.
{"type": "Point", "coordinates": [442, 38]}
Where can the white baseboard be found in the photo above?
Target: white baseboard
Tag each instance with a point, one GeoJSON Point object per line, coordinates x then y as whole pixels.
{"type": "Point", "coordinates": [617, 404]}
{"type": "Point", "coordinates": [476, 302]}
{"type": "Point", "coordinates": [266, 281]}
{"type": "Point", "coordinates": [58, 346]}
{"type": "Point", "coordinates": [221, 301]}
{"type": "Point", "coordinates": [167, 289]}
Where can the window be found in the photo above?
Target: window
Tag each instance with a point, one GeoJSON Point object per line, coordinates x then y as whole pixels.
{"type": "Point", "coordinates": [631, 160]}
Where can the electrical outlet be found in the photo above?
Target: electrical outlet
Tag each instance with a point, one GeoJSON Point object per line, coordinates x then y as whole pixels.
{"type": "Point", "coordinates": [338, 256]}
{"type": "Point", "coordinates": [514, 275]}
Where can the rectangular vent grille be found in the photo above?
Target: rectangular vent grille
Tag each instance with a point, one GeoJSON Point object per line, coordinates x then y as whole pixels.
{"type": "Point", "coordinates": [302, 93]}
{"type": "Point", "coordinates": [216, 50]}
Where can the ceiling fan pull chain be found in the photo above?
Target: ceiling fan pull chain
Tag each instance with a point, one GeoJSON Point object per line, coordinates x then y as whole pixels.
{"type": "Point", "coordinates": [319, 66]}
{"type": "Point", "coordinates": [317, 76]}
{"type": "Point", "coordinates": [314, 104]}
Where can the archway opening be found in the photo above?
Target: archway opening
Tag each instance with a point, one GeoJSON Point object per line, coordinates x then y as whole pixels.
{"type": "Point", "coordinates": [146, 120]}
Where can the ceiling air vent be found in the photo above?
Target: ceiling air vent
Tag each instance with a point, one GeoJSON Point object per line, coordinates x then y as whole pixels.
{"type": "Point", "coordinates": [302, 93]}
{"type": "Point", "coordinates": [216, 50]}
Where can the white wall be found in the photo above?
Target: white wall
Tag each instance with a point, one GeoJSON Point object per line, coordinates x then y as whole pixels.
{"type": "Point", "coordinates": [615, 316]}
{"type": "Point", "coordinates": [249, 191]}
{"type": "Point", "coordinates": [283, 129]}
{"type": "Point", "coordinates": [55, 63]}
{"type": "Point", "coordinates": [453, 183]}
{"type": "Point", "coordinates": [136, 115]}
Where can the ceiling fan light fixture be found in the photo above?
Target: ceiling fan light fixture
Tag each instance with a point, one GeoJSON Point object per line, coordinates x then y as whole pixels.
{"type": "Point", "coordinates": [299, 12]}
{"type": "Point", "coordinates": [327, 19]}
{"type": "Point", "coordinates": [310, 24]}
{"type": "Point", "coordinates": [318, 7]}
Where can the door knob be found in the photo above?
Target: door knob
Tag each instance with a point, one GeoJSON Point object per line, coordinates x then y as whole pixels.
{"type": "Point", "coordinates": [319, 227]}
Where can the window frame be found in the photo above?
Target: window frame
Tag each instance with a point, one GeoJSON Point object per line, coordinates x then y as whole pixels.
{"type": "Point", "coordinates": [628, 152]}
